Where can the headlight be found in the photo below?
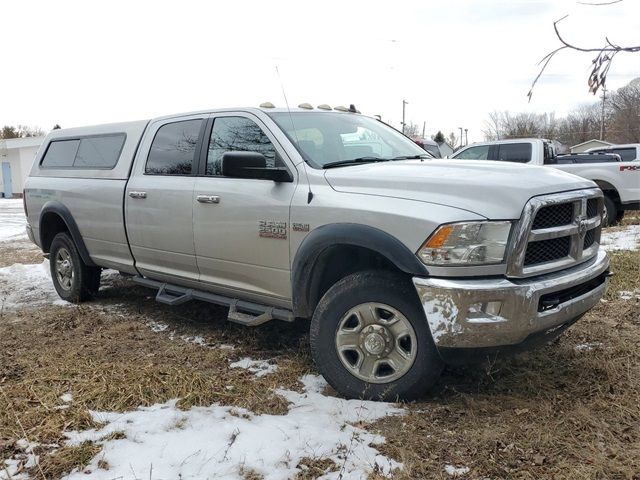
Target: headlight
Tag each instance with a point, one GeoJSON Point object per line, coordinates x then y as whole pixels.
{"type": "Point", "coordinates": [466, 243]}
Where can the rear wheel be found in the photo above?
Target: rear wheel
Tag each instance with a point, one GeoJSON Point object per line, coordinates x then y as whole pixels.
{"type": "Point", "coordinates": [370, 338]}
{"type": "Point", "coordinates": [72, 278]}
{"type": "Point", "coordinates": [610, 213]}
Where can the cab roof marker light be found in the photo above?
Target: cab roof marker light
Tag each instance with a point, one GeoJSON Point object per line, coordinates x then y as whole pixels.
{"type": "Point", "coordinates": [340, 108]}
{"type": "Point", "coordinates": [267, 105]}
{"type": "Point", "coordinates": [306, 106]}
{"type": "Point", "coordinates": [324, 106]}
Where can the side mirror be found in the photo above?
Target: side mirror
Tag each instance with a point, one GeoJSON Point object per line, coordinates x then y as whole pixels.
{"type": "Point", "coordinates": [252, 165]}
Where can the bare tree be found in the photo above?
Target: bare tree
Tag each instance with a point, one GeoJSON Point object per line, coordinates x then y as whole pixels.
{"type": "Point", "coordinates": [411, 129]}
{"type": "Point", "coordinates": [601, 63]}
{"type": "Point", "coordinates": [624, 113]}
{"type": "Point", "coordinates": [452, 140]}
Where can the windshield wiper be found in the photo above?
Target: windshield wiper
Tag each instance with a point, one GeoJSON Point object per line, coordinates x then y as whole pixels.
{"type": "Point", "coordinates": [355, 161]}
{"type": "Point", "coordinates": [412, 157]}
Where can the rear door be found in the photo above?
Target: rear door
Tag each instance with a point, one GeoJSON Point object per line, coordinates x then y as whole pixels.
{"type": "Point", "coordinates": [242, 225]}
{"type": "Point", "coordinates": [159, 199]}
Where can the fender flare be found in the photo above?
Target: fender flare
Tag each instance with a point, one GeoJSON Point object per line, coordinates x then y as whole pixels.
{"type": "Point", "coordinates": [57, 208]}
{"type": "Point", "coordinates": [348, 234]}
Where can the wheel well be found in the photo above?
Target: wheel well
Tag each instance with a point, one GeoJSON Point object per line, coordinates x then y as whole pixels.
{"type": "Point", "coordinates": [609, 190]}
{"type": "Point", "coordinates": [51, 224]}
{"type": "Point", "coordinates": [337, 262]}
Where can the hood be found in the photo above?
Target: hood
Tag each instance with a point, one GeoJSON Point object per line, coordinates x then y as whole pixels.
{"type": "Point", "coordinates": [495, 190]}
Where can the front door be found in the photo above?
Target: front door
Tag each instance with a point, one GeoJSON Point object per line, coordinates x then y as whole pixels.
{"type": "Point", "coordinates": [242, 237]}
{"type": "Point", "coordinates": [6, 180]}
{"type": "Point", "coordinates": [159, 200]}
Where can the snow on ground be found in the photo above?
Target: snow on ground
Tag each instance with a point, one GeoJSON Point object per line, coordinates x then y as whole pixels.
{"type": "Point", "coordinates": [27, 286]}
{"type": "Point", "coordinates": [30, 286]}
{"type": "Point", "coordinates": [12, 220]}
{"type": "Point", "coordinates": [456, 471]}
{"type": "Point", "coordinates": [629, 294]}
{"type": "Point", "coordinates": [221, 442]}
{"type": "Point", "coordinates": [258, 367]}
{"type": "Point", "coordinates": [585, 347]}
{"type": "Point", "coordinates": [628, 238]}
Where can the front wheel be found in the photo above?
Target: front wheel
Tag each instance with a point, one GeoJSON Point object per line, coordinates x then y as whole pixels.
{"type": "Point", "coordinates": [72, 278]}
{"type": "Point", "coordinates": [370, 339]}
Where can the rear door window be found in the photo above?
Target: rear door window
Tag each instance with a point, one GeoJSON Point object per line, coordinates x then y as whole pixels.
{"type": "Point", "coordinates": [515, 152]}
{"type": "Point", "coordinates": [174, 148]}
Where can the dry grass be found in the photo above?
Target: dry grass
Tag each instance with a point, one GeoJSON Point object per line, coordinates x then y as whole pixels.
{"type": "Point", "coordinates": [115, 362]}
{"type": "Point", "coordinates": [557, 412]}
{"type": "Point", "coordinates": [21, 251]}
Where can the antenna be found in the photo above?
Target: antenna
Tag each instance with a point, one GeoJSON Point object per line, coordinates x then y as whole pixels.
{"type": "Point", "coordinates": [295, 133]}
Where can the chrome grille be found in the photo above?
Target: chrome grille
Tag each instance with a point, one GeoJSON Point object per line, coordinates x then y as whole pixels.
{"type": "Point", "coordinates": [555, 232]}
{"type": "Point", "coordinates": [553, 216]}
{"type": "Point", "coordinates": [547, 250]}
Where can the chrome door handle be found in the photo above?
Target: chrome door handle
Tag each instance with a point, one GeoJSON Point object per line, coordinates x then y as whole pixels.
{"type": "Point", "coordinates": [138, 194]}
{"type": "Point", "coordinates": [208, 198]}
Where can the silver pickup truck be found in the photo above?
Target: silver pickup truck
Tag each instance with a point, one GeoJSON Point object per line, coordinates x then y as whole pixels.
{"type": "Point", "coordinates": [402, 262]}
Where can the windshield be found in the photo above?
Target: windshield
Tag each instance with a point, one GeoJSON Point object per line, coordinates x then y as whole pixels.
{"type": "Point", "coordinates": [324, 138]}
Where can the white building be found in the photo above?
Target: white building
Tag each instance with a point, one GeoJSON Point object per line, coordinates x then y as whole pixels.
{"type": "Point", "coordinates": [16, 158]}
{"type": "Point", "coordinates": [584, 146]}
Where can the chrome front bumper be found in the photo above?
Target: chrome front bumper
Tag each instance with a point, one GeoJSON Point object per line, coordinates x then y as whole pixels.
{"type": "Point", "coordinates": [494, 312]}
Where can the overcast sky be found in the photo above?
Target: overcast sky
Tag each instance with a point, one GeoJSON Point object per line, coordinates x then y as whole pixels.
{"type": "Point", "coordinates": [87, 62]}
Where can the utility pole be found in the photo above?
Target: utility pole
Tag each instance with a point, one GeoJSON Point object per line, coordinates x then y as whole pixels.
{"type": "Point", "coordinates": [460, 136]}
{"type": "Point", "coordinates": [604, 97]}
{"type": "Point", "coordinates": [466, 137]}
{"type": "Point", "coordinates": [424, 126]}
{"type": "Point", "coordinates": [404, 102]}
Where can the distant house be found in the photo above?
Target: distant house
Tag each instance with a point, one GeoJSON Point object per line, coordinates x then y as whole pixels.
{"type": "Point", "coordinates": [16, 158]}
{"type": "Point", "coordinates": [584, 146]}
{"type": "Point", "coordinates": [445, 149]}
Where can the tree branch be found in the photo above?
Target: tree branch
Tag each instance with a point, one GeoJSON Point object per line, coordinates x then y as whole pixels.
{"type": "Point", "coordinates": [601, 64]}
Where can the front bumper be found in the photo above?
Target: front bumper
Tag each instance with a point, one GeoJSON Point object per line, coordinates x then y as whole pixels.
{"type": "Point", "coordinates": [496, 312]}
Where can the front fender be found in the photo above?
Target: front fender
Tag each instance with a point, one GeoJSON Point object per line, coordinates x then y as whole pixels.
{"type": "Point", "coordinates": [348, 234]}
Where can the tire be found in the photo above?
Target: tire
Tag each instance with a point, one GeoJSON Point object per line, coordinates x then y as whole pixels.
{"type": "Point", "coordinates": [73, 280]}
{"type": "Point", "coordinates": [611, 212]}
{"type": "Point", "coordinates": [619, 216]}
{"type": "Point", "coordinates": [382, 296]}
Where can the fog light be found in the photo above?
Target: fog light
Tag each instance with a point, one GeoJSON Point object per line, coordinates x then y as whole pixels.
{"type": "Point", "coordinates": [484, 310]}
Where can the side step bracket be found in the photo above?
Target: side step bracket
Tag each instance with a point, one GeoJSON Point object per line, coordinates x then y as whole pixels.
{"type": "Point", "coordinates": [240, 311]}
{"type": "Point", "coordinates": [167, 298]}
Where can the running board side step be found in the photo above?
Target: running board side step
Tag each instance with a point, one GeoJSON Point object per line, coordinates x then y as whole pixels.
{"type": "Point", "coordinates": [245, 313]}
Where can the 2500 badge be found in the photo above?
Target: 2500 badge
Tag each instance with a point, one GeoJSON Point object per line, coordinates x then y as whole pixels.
{"type": "Point", "coordinates": [267, 229]}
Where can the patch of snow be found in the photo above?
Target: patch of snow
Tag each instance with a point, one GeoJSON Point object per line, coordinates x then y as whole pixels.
{"type": "Point", "coordinates": [220, 441]}
{"type": "Point", "coordinates": [157, 326]}
{"type": "Point", "coordinates": [67, 398]}
{"type": "Point", "coordinates": [197, 339]}
{"type": "Point", "coordinates": [258, 367]}
{"type": "Point", "coordinates": [626, 239]}
{"type": "Point", "coordinates": [15, 467]}
{"type": "Point", "coordinates": [456, 471]}
{"type": "Point", "coordinates": [628, 294]}
{"type": "Point", "coordinates": [585, 347]}
{"type": "Point", "coordinates": [26, 286]}
{"type": "Point", "coordinates": [12, 220]}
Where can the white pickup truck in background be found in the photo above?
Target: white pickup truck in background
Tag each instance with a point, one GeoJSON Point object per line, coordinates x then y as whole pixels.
{"type": "Point", "coordinates": [620, 181]}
